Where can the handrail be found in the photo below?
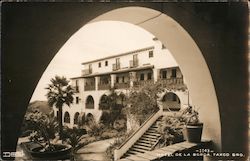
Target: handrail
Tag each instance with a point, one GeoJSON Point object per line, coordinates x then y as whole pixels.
{"type": "Point", "coordinates": [154, 116]}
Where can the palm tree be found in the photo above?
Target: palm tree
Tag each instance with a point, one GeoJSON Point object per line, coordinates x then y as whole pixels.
{"type": "Point", "coordinates": [59, 93]}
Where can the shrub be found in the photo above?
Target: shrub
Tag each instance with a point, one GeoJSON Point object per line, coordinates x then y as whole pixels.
{"type": "Point", "coordinates": [94, 129]}
{"type": "Point", "coordinates": [120, 124]}
{"type": "Point", "coordinates": [170, 129]}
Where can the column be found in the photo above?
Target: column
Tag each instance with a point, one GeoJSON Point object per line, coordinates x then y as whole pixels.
{"type": "Point", "coordinates": [156, 73]}
{"type": "Point", "coordinates": [113, 79]}
{"type": "Point", "coordinates": [97, 80]}
{"type": "Point", "coordinates": [132, 77]}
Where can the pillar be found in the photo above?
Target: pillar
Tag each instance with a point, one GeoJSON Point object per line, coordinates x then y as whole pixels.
{"type": "Point", "coordinates": [113, 79]}
{"type": "Point", "coordinates": [97, 80]}
{"type": "Point", "coordinates": [132, 78]}
{"type": "Point", "coordinates": [156, 73]}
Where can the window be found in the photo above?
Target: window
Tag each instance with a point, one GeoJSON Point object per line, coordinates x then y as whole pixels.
{"type": "Point", "coordinates": [66, 117]}
{"type": "Point", "coordinates": [77, 100]}
{"type": "Point", "coordinates": [117, 79]}
{"type": "Point", "coordinates": [123, 79]}
{"type": "Point", "coordinates": [99, 64]}
{"type": "Point", "coordinates": [164, 74]}
{"type": "Point", "coordinates": [151, 54]}
{"type": "Point", "coordinates": [142, 76]}
{"type": "Point", "coordinates": [149, 76]}
{"type": "Point", "coordinates": [106, 63]}
{"type": "Point", "coordinates": [173, 73]}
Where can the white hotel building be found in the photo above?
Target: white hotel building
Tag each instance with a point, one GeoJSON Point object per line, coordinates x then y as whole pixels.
{"type": "Point", "coordinates": [123, 72]}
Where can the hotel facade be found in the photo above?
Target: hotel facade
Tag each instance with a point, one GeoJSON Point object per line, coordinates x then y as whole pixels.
{"type": "Point", "coordinates": [123, 72]}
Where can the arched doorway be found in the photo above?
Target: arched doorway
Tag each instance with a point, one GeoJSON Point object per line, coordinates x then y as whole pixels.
{"type": "Point", "coordinates": [89, 118]}
{"type": "Point", "coordinates": [104, 104]}
{"type": "Point", "coordinates": [76, 118]}
{"type": "Point", "coordinates": [90, 104]}
{"type": "Point", "coordinates": [66, 117]}
{"type": "Point", "coordinates": [171, 102]}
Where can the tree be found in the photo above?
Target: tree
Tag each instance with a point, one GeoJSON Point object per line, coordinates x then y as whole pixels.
{"type": "Point", "coordinates": [143, 101]}
{"type": "Point", "coordinates": [59, 93]}
{"type": "Point", "coordinates": [112, 108]}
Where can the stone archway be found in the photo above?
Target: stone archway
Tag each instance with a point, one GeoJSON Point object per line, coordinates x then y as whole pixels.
{"type": "Point", "coordinates": [171, 101]}
{"type": "Point", "coordinates": [188, 56]}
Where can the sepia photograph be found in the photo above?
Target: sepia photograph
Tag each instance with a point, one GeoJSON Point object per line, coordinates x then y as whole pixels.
{"type": "Point", "coordinates": [125, 81]}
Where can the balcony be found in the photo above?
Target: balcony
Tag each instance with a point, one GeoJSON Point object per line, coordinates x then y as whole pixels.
{"type": "Point", "coordinates": [104, 86]}
{"type": "Point", "coordinates": [173, 83]}
{"type": "Point", "coordinates": [143, 83]}
{"type": "Point", "coordinates": [133, 63]}
{"type": "Point", "coordinates": [122, 85]}
{"type": "Point", "coordinates": [116, 67]}
{"type": "Point", "coordinates": [86, 72]}
{"type": "Point", "coordinates": [89, 87]}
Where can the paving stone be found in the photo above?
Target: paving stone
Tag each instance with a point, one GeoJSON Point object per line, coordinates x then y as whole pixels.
{"type": "Point", "coordinates": [147, 156]}
{"type": "Point", "coordinates": [137, 158]}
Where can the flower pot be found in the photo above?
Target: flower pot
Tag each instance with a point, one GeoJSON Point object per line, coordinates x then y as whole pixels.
{"type": "Point", "coordinates": [193, 132]}
{"type": "Point", "coordinates": [62, 152]}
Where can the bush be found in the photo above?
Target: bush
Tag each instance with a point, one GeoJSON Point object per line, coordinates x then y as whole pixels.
{"type": "Point", "coordinates": [94, 129]}
{"type": "Point", "coordinates": [170, 129]}
{"type": "Point", "coordinates": [109, 134]}
{"type": "Point", "coordinates": [120, 125]}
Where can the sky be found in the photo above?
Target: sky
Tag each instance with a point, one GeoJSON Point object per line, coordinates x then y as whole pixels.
{"type": "Point", "coordinates": [92, 41]}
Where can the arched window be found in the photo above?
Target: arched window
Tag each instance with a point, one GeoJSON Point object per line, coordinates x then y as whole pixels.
{"type": "Point", "coordinates": [89, 118]}
{"type": "Point", "coordinates": [171, 102]}
{"type": "Point", "coordinates": [66, 117]}
{"type": "Point", "coordinates": [89, 102]}
{"type": "Point", "coordinates": [76, 117]}
{"type": "Point", "coordinates": [104, 105]}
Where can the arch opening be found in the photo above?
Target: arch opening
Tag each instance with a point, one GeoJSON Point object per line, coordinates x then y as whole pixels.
{"type": "Point", "coordinates": [66, 117]}
{"type": "Point", "coordinates": [76, 118]}
{"type": "Point", "coordinates": [171, 101]}
{"type": "Point", "coordinates": [188, 56]}
{"type": "Point", "coordinates": [90, 104]}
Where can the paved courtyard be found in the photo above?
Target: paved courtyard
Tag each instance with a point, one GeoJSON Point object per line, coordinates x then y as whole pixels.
{"type": "Point", "coordinates": [95, 151]}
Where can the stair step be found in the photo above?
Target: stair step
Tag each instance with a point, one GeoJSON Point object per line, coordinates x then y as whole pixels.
{"type": "Point", "coordinates": [153, 134]}
{"type": "Point", "coordinates": [146, 139]}
{"type": "Point", "coordinates": [151, 130]}
{"type": "Point", "coordinates": [138, 150]}
{"type": "Point", "coordinates": [142, 147]}
{"type": "Point", "coordinates": [143, 144]}
{"type": "Point", "coordinates": [150, 143]}
{"type": "Point", "coordinates": [130, 152]}
{"type": "Point", "coordinates": [150, 136]}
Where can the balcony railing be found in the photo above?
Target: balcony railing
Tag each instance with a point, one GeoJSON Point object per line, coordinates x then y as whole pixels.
{"type": "Point", "coordinates": [86, 72]}
{"type": "Point", "coordinates": [172, 81]}
{"type": "Point", "coordinates": [143, 83]}
{"type": "Point", "coordinates": [133, 63]}
{"type": "Point", "coordinates": [104, 86]}
{"type": "Point", "coordinates": [89, 87]}
{"type": "Point", "coordinates": [116, 67]}
{"type": "Point", "coordinates": [122, 85]}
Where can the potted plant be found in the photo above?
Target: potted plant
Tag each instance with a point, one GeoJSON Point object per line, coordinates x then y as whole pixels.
{"type": "Point", "coordinates": [41, 143]}
{"type": "Point", "coordinates": [193, 127]}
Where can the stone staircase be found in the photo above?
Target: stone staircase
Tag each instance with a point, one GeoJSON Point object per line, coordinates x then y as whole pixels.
{"type": "Point", "coordinates": [146, 142]}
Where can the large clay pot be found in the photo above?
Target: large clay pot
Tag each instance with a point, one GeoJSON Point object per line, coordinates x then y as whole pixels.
{"type": "Point", "coordinates": [62, 152]}
{"type": "Point", "coordinates": [193, 132]}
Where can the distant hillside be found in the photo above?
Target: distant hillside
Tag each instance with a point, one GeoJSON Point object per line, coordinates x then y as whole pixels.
{"type": "Point", "coordinates": [40, 105]}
